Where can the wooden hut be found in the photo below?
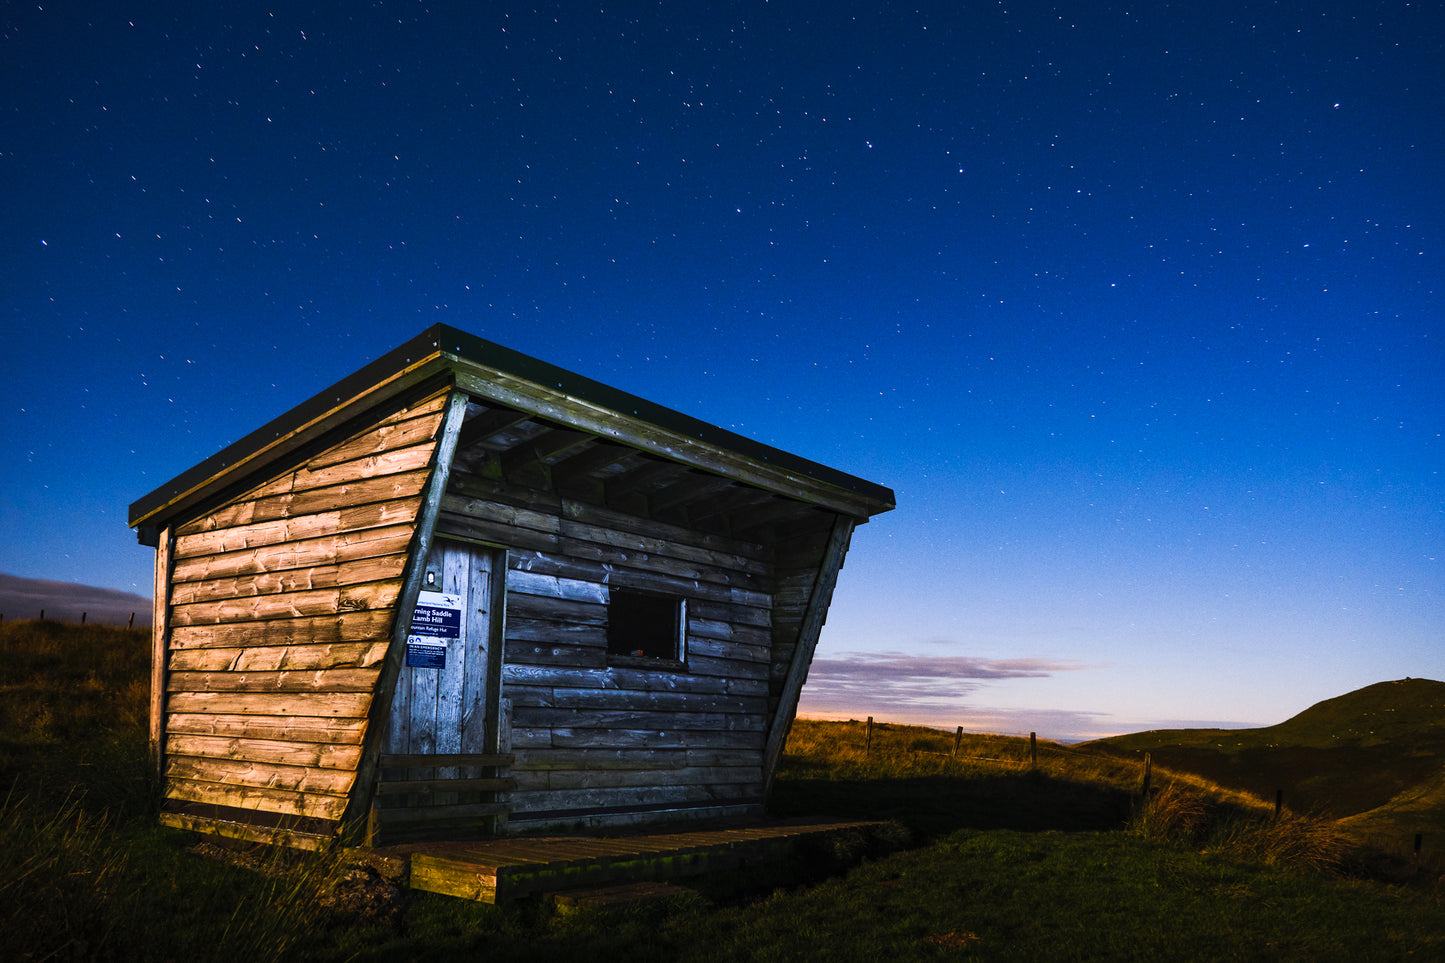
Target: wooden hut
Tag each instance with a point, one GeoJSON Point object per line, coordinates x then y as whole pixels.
{"type": "Point", "coordinates": [466, 591]}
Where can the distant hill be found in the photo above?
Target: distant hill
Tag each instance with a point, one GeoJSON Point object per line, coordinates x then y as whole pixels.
{"type": "Point", "coordinates": [1375, 747]}
{"type": "Point", "coordinates": [26, 598]}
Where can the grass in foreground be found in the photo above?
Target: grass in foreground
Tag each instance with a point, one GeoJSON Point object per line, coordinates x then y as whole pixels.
{"type": "Point", "coordinates": [1010, 862]}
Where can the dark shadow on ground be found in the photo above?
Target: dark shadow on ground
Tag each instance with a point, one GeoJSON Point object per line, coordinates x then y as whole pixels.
{"type": "Point", "coordinates": [933, 806]}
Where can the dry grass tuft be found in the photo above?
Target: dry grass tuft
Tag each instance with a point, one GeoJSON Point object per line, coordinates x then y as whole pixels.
{"type": "Point", "coordinates": [1193, 812]}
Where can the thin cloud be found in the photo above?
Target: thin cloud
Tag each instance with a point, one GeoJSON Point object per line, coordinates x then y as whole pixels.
{"type": "Point", "coordinates": [895, 666]}
{"type": "Point", "coordinates": [919, 688]}
{"type": "Point", "coordinates": [936, 691]}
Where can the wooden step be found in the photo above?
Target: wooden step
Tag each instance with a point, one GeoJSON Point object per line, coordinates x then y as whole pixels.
{"type": "Point", "coordinates": [615, 897]}
{"type": "Point", "coordinates": [500, 870]}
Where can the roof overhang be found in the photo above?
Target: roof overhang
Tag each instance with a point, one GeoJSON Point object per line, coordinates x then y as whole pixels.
{"type": "Point", "coordinates": [497, 375]}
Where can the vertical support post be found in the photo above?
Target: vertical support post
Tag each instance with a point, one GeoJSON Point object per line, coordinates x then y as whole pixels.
{"type": "Point", "coordinates": [1034, 749]}
{"type": "Point", "coordinates": [868, 738]}
{"type": "Point", "coordinates": [160, 650]}
{"type": "Point", "coordinates": [957, 741]}
{"type": "Point", "coordinates": [812, 625]}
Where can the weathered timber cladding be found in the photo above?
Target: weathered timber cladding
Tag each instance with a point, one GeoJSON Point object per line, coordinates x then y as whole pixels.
{"type": "Point", "coordinates": [593, 734]}
{"type": "Point", "coordinates": [298, 695]}
{"type": "Point", "coordinates": [281, 607]}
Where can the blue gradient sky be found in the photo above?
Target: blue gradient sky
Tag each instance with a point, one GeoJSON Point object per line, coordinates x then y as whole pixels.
{"type": "Point", "coordinates": [1139, 312]}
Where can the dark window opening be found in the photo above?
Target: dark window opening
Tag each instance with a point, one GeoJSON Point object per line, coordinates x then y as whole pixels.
{"type": "Point", "coordinates": [644, 626]}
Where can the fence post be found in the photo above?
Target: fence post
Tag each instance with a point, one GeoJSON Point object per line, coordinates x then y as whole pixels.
{"type": "Point", "coordinates": [131, 623]}
{"type": "Point", "coordinates": [868, 737]}
{"type": "Point", "coordinates": [957, 741]}
{"type": "Point", "coordinates": [1034, 749]}
{"type": "Point", "coordinates": [82, 618]}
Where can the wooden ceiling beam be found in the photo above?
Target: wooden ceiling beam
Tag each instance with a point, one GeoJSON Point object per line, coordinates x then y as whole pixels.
{"type": "Point", "coordinates": [582, 464]}
{"type": "Point", "coordinates": [687, 491]}
{"type": "Point", "coordinates": [733, 500]}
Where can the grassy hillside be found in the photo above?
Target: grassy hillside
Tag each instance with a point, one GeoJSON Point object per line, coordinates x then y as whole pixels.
{"type": "Point", "coordinates": [997, 858]}
{"type": "Point", "coordinates": [1372, 748]}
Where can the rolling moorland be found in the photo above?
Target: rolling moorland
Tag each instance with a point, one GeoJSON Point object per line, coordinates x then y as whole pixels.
{"type": "Point", "coordinates": [986, 853]}
{"type": "Point", "coordinates": [1374, 759]}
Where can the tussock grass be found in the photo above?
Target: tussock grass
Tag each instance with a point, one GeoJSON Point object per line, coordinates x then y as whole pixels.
{"type": "Point", "coordinates": [1007, 860]}
{"type": "Point", "coordinates": [911, 773]}
{"type": "Point", "coordinates": [79, 884]}
{"type": "Point", "coordinates": [1230, 824]}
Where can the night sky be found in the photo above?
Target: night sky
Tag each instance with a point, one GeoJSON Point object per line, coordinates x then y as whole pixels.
{"type": "Point", "coordinates": [1137, 309]}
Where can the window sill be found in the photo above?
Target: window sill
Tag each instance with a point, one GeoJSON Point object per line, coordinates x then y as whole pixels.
{"type": "Point", "coordinates": [645, 662]}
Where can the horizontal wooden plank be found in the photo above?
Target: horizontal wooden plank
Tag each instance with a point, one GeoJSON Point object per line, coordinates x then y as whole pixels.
{"type": "Point", "coordinates": [319, 755]}
{"type": "Point", "coordinates": [402, 430]}
{"type": "Point", "coordinates": [525, 605]}
{"type": "Point", "coordinates": [640, 759]}
{"type": "Point", "coordinates": [424, 815]}
{"type": "Point", "coordinates": [648, 563]}
{"type": "Point", "coordinates": [496, 532]}
{"type": "Point", "coordinates": [739, 615]}
{"type": "Point", "coordinates": [615, 677]}
{"type": "Point", "coordinates": [613, 520]}
{"type": "Point", "coordinates": [262, 775]}
{"type": "Point", "coordinates": [345, 705]}
{"type": "Point", "coordinates": [524, 582]}
{"type": "Point", "coordinates": [577, 530]}
{"type": "Point", "coordinates": [264, 799]}
{"type": "Point", "coordinates": [333, 601]}
{"type": "Point", "coordinates": [533, 780]}
{"type": "Point", "coordinates": [526, 741]}
{"type": "Point", "coordinates": [322, 576]}
{"type": "Point", "coordinates": [396, 760]}
{"type": "Point", "coordinates": [387, 488]}
{"type": "Point", "coordinates": [426, 787]}
{"type": "Point", "coordinates": [615, 699]}
{"type": "Point", "coordinates": [543, 522]}
{"type": "Point", "coordinates": [278, 728]}
{"type": "Point", "coordinates": [276, 658]}
{"type": "Point", "coordinates": [332, 628]}
{"type": "Point", "coordinates": [268, 835]}
{"type": "Point", "coordinates": [305, 554]}
{"type": "Point", "coordinates": [198, 539]}
{"type": "Point", "coordinates": [524, 528]}
{"type": "Point", "coordinates": [523, 652]}
{"type": "Point", "coordinates": [724, 631]}
{"type": "Point", "coordinates": [580, 718]}
{"type": "Point", "coordinates": [727, 668]}
{"type": "Point", "coordinates": [524, 802]}
{"type": "Point", "coordinates": [575, 571]}
{"type": "Point", "coordinates": [318, 680]}
{"type": "Point", "coordinates": [715, 649]}
{"type": "Point", "coordinates": [310, 477]}
{"type": "Point", "coordinates": [543, 631]}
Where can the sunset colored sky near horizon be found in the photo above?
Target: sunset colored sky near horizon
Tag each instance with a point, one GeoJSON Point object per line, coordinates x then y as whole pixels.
{"type": "Point", "coordinates": [1138, 310]}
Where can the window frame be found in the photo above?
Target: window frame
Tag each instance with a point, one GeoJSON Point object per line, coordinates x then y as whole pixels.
{"type": "Point", "coordinates": [676, 658]}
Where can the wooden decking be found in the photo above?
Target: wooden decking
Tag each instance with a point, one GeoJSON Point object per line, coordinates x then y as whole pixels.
{"type": "Point", "coordinates": [499, 870]}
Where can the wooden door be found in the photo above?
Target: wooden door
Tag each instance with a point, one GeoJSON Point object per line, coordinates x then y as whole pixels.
{"type": "Point", "coordinates": [443, 692]}
{"type": "Point", "coordinates": [445, 705]}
